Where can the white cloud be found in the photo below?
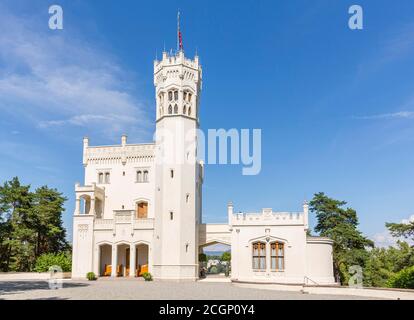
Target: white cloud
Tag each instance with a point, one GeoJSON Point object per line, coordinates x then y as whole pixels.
{"type": "Point", "coordinates": [385, 239]}
{"type": "Point", "coordinates": [395, 115]}
{"type": "Point", "coordinates": [53, 78]}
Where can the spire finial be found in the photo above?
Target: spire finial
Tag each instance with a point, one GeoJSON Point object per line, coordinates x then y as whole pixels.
{"type": "Point", "coordinates": [179, 36]}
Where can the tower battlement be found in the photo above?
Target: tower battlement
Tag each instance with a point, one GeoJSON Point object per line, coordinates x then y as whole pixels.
{"type": "Point", "coordinates": [176, 65]}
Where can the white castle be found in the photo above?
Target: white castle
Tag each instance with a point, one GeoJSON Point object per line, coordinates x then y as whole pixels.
{"type": "Point", "coordinates": [137, 214]}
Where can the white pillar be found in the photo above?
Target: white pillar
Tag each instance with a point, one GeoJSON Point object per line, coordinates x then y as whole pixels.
{"type": "Point", "coordinates": [306, 215]}
{"type": "Point", "coordinates": [132, 259]}
{"type": "Point", "coordinates": [230, 211]}
{"type": "Point", "coordinates": [77, 206]}
{"type": "Point", "coordinates": [92, 210]}
{"type": "Point", "coordinates": [97, 261]}
{"type": "Point", "coordinates": [114, 261]}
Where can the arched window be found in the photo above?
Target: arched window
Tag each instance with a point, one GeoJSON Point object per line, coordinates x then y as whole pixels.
{"type": "Point", "coordinates": [170, 95]}
{"type": "Point", "coordinates": [184, 110]}
{"type": "Point", "coordinates": [142, 210]}
{"type": "Point", "coordinates": [139, 176]}
{"type": "Point", "coordinates": [100, 177]}
{"type": "Point", "coordinates": [277, 256]}
{"type": "Point", "coordinates": [259, 256]}
{"type": "Point", "coordinates": [170, 109]}
{"type": "Point", "coordinates": [189, 97]}
{"type": "Point", "coordinates": [175, 109]}
{"type": "Point", "coordinates": [107, 175]}
{"type": "Point", "coordinates": [145, 176]}
{"type": "Point", "coordinates": [176, 95]}
{"type": "Point", "coordinates": [189, 111]}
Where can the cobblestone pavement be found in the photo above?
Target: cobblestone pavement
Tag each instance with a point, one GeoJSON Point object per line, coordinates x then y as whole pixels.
{"type": "Point", "coordinates": [141, 290]}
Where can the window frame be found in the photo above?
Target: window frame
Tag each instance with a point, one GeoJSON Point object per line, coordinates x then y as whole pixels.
{"type": "Point", "coordinates": [279, 258]}
{"type": "Point", "coordinates": [261, 256]}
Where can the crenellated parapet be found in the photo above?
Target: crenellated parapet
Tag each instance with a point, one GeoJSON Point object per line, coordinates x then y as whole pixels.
{"type": "Point", "coordinates": [115, 154]}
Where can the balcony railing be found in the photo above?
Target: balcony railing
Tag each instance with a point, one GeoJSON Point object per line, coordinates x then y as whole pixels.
{"type": "Point", "coordinates": [124, 217]}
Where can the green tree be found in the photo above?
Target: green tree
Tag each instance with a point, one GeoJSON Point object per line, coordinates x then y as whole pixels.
{"type": "Point", "coordinates": [384, 263]}
{"type": "Point", "coordinates": [16, 237]}
{"type": "Point", "coordinates": [226, 256]}
{"type": "Point", "coordinates": [30, 224]}
{"type": "Point", "coordinates": [405, 230]}
{"type": "Point", "coordinates": [47, 221]}
{"type": "Point", "coordinates": [340, 224]}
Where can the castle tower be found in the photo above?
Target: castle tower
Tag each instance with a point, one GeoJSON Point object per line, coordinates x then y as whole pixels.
{"type": "Point", "coordinates": [179, 175]}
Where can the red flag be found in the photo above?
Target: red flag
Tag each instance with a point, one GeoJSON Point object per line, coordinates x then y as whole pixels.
{"type": "Point", "coordinates": [180, 40]}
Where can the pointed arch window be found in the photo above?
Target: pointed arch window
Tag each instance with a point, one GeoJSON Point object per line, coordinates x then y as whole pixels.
{"type": "Point", "coordinates": [277, 256]}
{"type": "Point", "coordinates": [259, 256]}
{"type": "Point", "coordinates": [184, 110]}
{"type": "Point", "coordinates": [142, 210]}
{"type": "Point", "coordinates": [176, 95]}
{"type": "Point", "coordinates": [170, 95]}
{"type": "Point", "coordinates": [189, 111]}
{"type": "Point", "coordinates": [170, 109]}
{"type": "Point", "coordinates": [145, 176]}
{"type": "Point", "coordinates": [175, 109]}
{"type": "Point", "coordinates": [139, 176]}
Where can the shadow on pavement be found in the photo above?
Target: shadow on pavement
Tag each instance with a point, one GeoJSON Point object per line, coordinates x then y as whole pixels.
{"type": "Point", "coordinates": [10, 287]}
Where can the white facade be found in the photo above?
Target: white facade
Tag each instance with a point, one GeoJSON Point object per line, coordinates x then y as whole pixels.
{"type": "Point", "coordinates": [139, 209]}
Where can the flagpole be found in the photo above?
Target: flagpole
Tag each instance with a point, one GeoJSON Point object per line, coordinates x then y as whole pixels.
{"type": "Point", "coordinates": [178, 30]}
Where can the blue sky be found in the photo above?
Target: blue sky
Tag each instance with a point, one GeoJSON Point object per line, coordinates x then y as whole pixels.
{"type": "Point", "coordinates": [336, 107]}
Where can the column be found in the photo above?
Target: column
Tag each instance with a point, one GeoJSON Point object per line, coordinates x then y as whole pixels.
{"type": "Point", "coordinates": [114, 261]}
{"type": "Point", "coordinates": [92, 210]}
{"type": "Point", "coordinates": [77, 206]}
{"type": "Point", "coordinates": [132, 259]}
{"type": "Point", "coordinates": [97, 261]}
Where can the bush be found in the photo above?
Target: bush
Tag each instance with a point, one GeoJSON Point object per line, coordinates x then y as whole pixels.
{"type": "Point", "coordinates": [403, 279]}
{"type": "Point", "coordinates": [147, 276]}
{"type": "Point", "coordinates": [47, 260]}
{"type": "Point", "coordinates": [202, 257]}
{"type": "Point", "coordinates": [91, 276]}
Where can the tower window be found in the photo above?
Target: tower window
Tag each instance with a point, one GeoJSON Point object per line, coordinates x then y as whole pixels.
{"type": "Point", "coordinates": [170, 95]}
{"type": "Point", "coordinates": [175, 95]}
{"type": "Point", "coordinates": [100, 177]}
{"type": "Point", "coordinates": [189, 97]}
{"type": "Point", "coordinates": [187, 197]}
{"type": "Point", "coordinates": [172, 173]}
{"type": "Point", "coordinates": [171, 215]}
{"type": "Point", "coordinates": [175, 109]}
{"type": "Point", "coordinates": [107, 175]}
{"type": "Point", "coordinates": [139, 176]}
{"type": "Point", "coordinates": [184, 110]}
{"type": "Point", "coordinates": [123, 173]}
{"type": "Point", "coordinates": [185, 95]}
{"type": "Point", "coordinates": [170, 109]}
{"type": "Point", "coordinates": [189, 111]}
{"type": "Point", "coordinates": [145, 176]}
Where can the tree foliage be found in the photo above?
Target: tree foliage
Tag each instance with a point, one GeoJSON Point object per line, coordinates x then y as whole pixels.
{"type": "Point", "coordinates": [47, 260]}
{"type": "Point", "coordinates": [226, 256]}
{"type": "Point", "coordinates": [403, 279]}
{"type": "Point", "coordinates": [340, 224]}
{"type": "Point", "coordinates": [405, 230]}
{"type": "Point", "coordinates": [30, 225]}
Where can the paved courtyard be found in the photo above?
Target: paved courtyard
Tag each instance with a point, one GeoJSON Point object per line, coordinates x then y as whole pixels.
{"type": "Point", "coordinates": [141, 290]}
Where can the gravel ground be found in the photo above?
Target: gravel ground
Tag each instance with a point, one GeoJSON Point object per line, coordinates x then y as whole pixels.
{"type": "Point", "coordinates": [140, 290]}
